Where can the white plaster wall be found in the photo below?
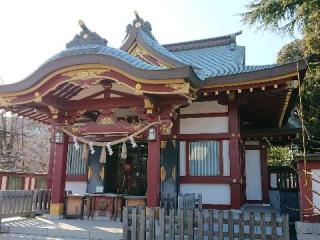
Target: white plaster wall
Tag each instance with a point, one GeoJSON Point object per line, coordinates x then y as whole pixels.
{"type": "Point", "coordinates": [316, 187]}
{"type": "Point", "coordinates": [76, 187]}
{"type": "Point", "coordinates": [211, 193]}
{"type": "Point", "coordinates": [182, 160]}
{"type": "Point", "coordinates": [204, 107]}
{"type": "Point", "coordinates": [204, 125]}
{"type": "Point", "coordinates": [253, 175]}
{"type": "Point", "coordinates": [226, 158]}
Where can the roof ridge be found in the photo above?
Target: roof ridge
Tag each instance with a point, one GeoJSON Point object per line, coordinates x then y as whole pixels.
{"type": "Point", "coordinates": [203, 43]}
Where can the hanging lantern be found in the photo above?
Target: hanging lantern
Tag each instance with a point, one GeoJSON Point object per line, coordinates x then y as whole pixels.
{"type": "Point", "coordinates": [152, 134]}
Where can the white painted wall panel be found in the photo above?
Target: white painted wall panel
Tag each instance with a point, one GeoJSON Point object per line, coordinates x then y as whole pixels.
{"type": "Point", "coordinates": [76, 187]}
{"type": "Point", "coordinates": [4, 182]}
{"type": "Point", "coordinates": [182, 154]}
{"type": "Point", "coordinates": [316, 187]}
{"type": "Point", "coordinates": [211, 193]}
{"type": "Point", "coordinates": [204, 125]}
{"type": "Point", "coordinates": [226, 158]}
{"type": "Point", "coordinates": [253, 175]}
{"type": "Point", "coordinates": [204, 107]}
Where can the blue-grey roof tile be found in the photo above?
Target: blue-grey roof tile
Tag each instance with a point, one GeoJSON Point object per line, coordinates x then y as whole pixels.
{"type": "Point", "coordinates": [155, 45]}
{"type": "Point", "coordinates": [105, 50]}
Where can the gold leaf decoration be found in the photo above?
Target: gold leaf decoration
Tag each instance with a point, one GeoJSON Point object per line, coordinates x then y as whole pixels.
{"type": "Point", "coordinates": [90, 172]}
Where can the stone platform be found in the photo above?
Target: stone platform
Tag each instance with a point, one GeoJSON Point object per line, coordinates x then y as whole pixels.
{"type": "Point", "coordinates": [65, 229]}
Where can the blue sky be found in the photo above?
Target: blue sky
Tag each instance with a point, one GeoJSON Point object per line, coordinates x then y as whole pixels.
{"type": "Point", "coordinates": [34, 30]}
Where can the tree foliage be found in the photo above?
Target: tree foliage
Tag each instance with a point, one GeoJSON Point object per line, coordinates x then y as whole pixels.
{"type": "Point", "coordinates": [24, 144]}
{"type": "Point", "coordinates": [280, 156]}
{"type": "Point", "coordinates": [284, 15]}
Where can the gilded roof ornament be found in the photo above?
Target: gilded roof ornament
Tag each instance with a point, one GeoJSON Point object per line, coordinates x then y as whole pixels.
{"type": "Point", "coordinates": [86, 37]}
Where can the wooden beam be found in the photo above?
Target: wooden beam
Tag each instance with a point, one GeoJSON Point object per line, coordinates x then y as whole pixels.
{"type": "Point", "coordinates": [94, 104]}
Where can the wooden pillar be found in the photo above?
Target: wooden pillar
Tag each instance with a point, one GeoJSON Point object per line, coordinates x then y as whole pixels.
{"type": "Point", "coordinates": [51, 161]}
{"type": "Point", "coordinates": [59, 174]}
{"type": "Point", "coordinates": [153, 172]}
{"type": "Point", "coordinates": [264, 174]}
{"type": "Point", "coordinates": [234, 153]}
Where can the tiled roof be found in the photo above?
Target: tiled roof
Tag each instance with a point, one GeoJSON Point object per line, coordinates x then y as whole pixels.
{"type": "Point", "coordinates": [217, 60]}
{"type": "Point", "coordinates": [153, 43]}
{"type": "Point", "coordinates": [105, 50]}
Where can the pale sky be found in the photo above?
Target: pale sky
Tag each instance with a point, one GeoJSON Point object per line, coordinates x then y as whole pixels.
{"type": "Point", "coordinates": [34, 30]}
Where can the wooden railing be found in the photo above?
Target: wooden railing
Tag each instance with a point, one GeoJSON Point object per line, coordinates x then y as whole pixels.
{"type": "Point", "coordinates": [24, 202]}
{"type": "Point", "coordinates": [202, 224]}
{"type": "Point", "coordinates": [283, 178]}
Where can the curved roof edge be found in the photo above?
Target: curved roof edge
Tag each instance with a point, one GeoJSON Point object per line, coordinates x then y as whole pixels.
{"type": "Point", "coordinates": [185, 72]}
{"type": "Point", "coordinates": [275, 71]}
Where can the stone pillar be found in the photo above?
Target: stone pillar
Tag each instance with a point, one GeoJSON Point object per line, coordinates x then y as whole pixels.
{"type": "Point", "coordinates": [153, 171]}
{"type": "Point", "coordinates": [59, 174]}
{"type": "Point", "coordinates": [234, 153]}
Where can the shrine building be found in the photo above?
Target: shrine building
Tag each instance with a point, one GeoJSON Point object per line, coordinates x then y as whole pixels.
{"type": "Point", "coordinates": [149, 119]}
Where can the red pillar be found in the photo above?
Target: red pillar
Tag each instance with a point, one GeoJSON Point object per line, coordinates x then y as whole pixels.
{"type": "Point", "coordinates": [59, 175]}
{"type": "Point", "coordinates": [153, 172]}
{"type": "Point", "coordinates": [234, 153]}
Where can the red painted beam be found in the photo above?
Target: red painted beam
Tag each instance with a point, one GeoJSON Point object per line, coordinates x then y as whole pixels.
{"type": "Point", "coordinates": [94, 104]}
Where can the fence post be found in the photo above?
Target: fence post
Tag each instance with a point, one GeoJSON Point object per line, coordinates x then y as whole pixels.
{"type": "Point", "coordinates": [190, 224]}
{"type": "Point", "coordinates": [142, 224]}
{"type": "Point", "coordinates": [220, 224]}
{"type": "Point", "coordinates": [251, 225]}
{"type": "Point", "coordinates": [230, 225]}
{"type": "Point", "coordinates": [273, 226]}
{"type": "Point", "coordinates": [125, 223]}
{"type": "Point", "coordinates": [162, 223]}
{"type": "Point", "coordinates": [210, 225]}
{"type": "Point", "coordinates": [263, 226]}
{"type": "Point", "coordinates": [200, 224]}
{"type": "Point", "coordinates": [171, 223]}
{"type": "Point", "coordinates": [181, 222]}
{"type": "Point", "coordinates": [285, 227]}
{"type": "Point", "coordinates": [134, 223]}
{"type": "Point", "coordinates": [241, 226]}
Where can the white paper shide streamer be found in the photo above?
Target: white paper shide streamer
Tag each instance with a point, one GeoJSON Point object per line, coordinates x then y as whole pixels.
{"type": "Point", "coordinates": [76, 144]}
{"type": "Point", "coordinates": [110, 151]}
{"type": "Point", "coordinates": [91, 148]}
{"type": "Point", "coordinates": [133, 142]}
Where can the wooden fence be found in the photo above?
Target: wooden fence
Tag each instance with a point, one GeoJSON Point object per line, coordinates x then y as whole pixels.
{"type": "Point", "coordinates": [185, 201]}
{"type": "Point", "coordinates": [202, 224]}
{"type": "Point", "coordinates": [24, 202]}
